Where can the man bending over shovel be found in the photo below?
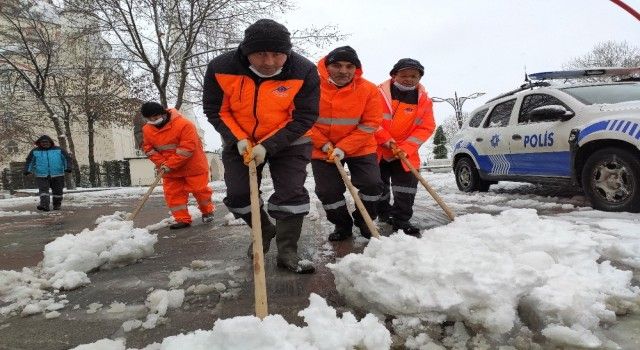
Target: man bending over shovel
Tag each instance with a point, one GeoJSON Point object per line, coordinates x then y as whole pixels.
{"type": "Point", "coordinates": [171, 142]}
{"type": "Point", "coordinates": [263, 98]}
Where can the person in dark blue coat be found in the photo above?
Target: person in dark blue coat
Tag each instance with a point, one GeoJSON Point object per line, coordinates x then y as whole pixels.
{"type": "Point", "coordinates": [49, 163]}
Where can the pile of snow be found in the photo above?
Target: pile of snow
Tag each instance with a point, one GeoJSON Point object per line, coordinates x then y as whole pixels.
{"type": "Point", "coordinates": [112, 243]}
{"type": "Point", "coordinates": [67, 260]}
{"type": "Point", "coordinates": [481, 268]}
{"type": "Point", "coordinates": [324, 330]}
{"type": "Point", "coordinates": [159, 302]}
{"type": "Point", "coordinates": [27, 293]}
{"type": "Point", "coordinates": [201, 269]}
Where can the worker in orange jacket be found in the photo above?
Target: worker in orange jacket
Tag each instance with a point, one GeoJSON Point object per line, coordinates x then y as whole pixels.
{"type": "Point", "coordinates": [408, 123]}
{"type": "Point", "coordinates": [265, 95]}
{"type": "Point", "coordinates": [350, 113]}
{"type": "Point", "coordinates": [172, 143]}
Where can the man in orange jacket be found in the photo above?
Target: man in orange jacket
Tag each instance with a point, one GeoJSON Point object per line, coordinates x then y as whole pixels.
{"type": "Point", "coordinates": [171, 142]}
{"type": "Point", "coordinates": [265, 95]}
{"type": "Point", "coordinates": [350, 113]}
{"type": "Point", "coordinates": [408, 122]}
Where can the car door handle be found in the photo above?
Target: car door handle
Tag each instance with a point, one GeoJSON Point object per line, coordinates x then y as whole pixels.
{"type": "Point", "coordinates": [516, 137]}
{"type": "Point", "coordinates": [479, 139]}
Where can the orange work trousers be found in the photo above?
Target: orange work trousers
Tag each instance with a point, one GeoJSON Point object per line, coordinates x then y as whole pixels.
{"type": "Point", "coordinates": [176, 194]}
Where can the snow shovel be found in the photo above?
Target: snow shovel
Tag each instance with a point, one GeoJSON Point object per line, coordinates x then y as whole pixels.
{"type": "Point", "coordinates": [354, 193]}
{"type": "Point", "coordinates": [424, 183]}
{"type": "Point", "coordinates": [259, 279]}
{"type": "Point", "coordinates": [146, 196]}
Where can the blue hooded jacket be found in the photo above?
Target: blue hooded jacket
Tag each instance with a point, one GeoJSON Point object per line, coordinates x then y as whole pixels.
{"type": "Point", "coordinates": [43, 162]}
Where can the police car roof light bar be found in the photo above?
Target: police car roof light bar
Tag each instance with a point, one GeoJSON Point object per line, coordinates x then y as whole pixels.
{"type": "Point", "coordinates": [525, 86]}
{"type": "Point", "coordinates": [585, 73]}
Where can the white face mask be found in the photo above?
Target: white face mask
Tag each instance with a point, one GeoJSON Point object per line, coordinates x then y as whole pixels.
{"type": "Point", "coordinates": [253, 69]}
{"type": "Point", "coordinates": [404, 88]}
{"type": "Point", "coordinates": [157, 121]}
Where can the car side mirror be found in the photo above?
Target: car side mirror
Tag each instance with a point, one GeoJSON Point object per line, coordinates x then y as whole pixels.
{"type": "Point", "coordinates": [551, 112]}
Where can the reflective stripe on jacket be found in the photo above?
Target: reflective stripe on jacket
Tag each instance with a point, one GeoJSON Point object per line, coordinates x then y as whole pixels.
{"type": "Point", "coordinates": [349, 116]}
{"type": "Point", "coordinates": [409, 125]}
{"type": "Point", "coordinates": [176, 145]}
{"type": "Point", "coordinates": [275, 112]}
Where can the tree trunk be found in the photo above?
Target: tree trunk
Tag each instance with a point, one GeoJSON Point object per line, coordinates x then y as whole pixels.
{"type": "Point", "coordinates": [92, 160]}
{"type": "Point", "coordinates": [72, 152]}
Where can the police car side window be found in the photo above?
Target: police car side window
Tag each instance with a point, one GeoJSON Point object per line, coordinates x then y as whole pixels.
{"type": "Point", "coordinates": [534, 101]}
{"type": "Point", "coordinates": [500, 115]}
{"type": "Point", "coordinates": [476, 120]}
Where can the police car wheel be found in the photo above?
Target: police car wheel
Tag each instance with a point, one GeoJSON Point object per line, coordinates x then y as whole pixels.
{"type": "Point", "coordinates": [611, 180]}
{"type": "Point", "coordinates": [467, 177]}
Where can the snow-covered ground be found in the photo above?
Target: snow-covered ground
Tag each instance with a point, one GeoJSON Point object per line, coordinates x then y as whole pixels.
{"type": "Point", "coordinates": [518, 264]}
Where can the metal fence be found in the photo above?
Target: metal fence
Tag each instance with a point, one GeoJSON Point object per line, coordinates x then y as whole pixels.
{"type": "Point", "coordinates": [113, 173]}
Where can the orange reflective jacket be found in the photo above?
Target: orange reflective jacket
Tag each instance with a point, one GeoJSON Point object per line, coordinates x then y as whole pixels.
{"type": "Point", "coordinates": [349, 116]}
{"type": "Point", "coordinates": [275, 112]}
{"type": "Point", "coordinates": [176, 145]}
{"type": "Point", "coordinates": [408, 124]}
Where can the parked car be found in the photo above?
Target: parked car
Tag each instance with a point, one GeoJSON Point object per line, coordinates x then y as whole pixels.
{"type": "Point", "coordinates": [550, 131]}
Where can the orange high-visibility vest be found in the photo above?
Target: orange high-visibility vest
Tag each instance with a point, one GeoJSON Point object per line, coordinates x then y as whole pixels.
{"type": "Point", "coordinates": [410, 125]}
{"type": "Point", "coordinates": [349, 116]}
{"type": "Point", "coordinates": [176, 145]}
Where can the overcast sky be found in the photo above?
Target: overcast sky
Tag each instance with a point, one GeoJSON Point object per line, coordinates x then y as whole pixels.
{"type": "Point", "coordinates": [466, 46]}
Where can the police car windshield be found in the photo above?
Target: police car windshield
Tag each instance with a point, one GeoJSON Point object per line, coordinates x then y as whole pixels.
{"type": "Point", "coordinates": [605, 94]}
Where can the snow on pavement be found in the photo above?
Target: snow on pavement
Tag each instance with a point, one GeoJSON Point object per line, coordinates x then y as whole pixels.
{"type": "Point", "coordinates": [67, 259]}
{"type": "Point", "coordinates": [570, 267]}
{"type": "Point", "coordinates": [481, 268]}
{"type": "Point", "coordinates": [325, 330]}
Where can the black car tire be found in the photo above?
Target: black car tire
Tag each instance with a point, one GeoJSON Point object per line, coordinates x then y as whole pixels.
{"type": "Point", "coordinates": [611, 180]}
{"type": "Point", "coordinates": [467, 177]}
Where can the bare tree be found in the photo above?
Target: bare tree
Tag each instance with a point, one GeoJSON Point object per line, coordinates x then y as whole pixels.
{"type": "Point", "coordinates": [171, 41]}
{"type": "Point", "coordinates": [451, 126]}
{"type": "Point", "coordinates": [31, 40]}
{"type": "Point", "coordinates": [608, 54]}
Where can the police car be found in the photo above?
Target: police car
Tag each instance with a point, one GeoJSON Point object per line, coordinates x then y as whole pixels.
{"type": "Point", "coordinates": [548, 130]}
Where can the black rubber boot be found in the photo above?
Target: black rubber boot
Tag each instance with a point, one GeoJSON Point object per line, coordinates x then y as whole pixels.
{"type": "Point", "coordinates": [207, 218]}
{"type": "Point", "coordinates": [386, 218]}
{"type": "Point", "coordinates": [287, 235]}
{"type": "Point", "coordinates": [340, 234]}
{"type": "Point", "coordinates": [358, 220]}
{"type": "Point", "coordinates": [44, 202]}
{"type": "Point", "coordinates": [179, 225]}
{"type": "Point", "coordinates": [57, 203]}
{"type": "Point", "coordinates": [268, 232]}
{"type": "Point", "coordinates": [406, 227]}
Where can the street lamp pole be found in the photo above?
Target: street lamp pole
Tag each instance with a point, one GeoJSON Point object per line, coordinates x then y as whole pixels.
{"type": "Point", "coordinates": [457, 102]}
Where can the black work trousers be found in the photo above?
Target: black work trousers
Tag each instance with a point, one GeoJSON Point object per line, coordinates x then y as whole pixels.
{"type": "Point", "coordinates": [404, 186]}
{"type": "Point", "coordinates": [288, 170]}
{"type": "Point", "coordinates": [56, 184]}
{"type": "Point", "coordinates": [330, 188]}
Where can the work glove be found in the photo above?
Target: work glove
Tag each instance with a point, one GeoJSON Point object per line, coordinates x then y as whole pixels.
{"type": "Point", "coordinates": [337, 154]}
{"type": "Point", "coordinates": [327, 148]}
{"type": "Point", "coordinates": [389, 144]}
{"type": "Point", "coordinates": [257, 153]}
{"type": "Point", "coordinates": [165, 169]}
{"type": "Point", "coordinates": [398, 152]}
{"type": "Point", "coordinates": [26, 173]}
{"type": "Point", "coordinates": [242, 146]}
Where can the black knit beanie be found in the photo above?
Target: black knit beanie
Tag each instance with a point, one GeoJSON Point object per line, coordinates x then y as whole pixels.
{"type": "Point", "coordinates": [406, 63]}
{"type": "Point", "coordinates": [266, 35]}
{"type": "Point", "coordinates": [343, 53]}
{"type": "Point", "coordinates": [149, 109]}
